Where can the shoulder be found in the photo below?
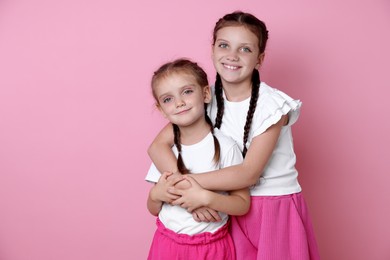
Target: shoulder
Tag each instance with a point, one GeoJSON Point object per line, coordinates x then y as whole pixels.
{"type": "Point", "coordinates": [272, 105]}
{"type": "Point", "coordinates": [268, 93]}
{"type": "Point", "coordinates": [272, 99]}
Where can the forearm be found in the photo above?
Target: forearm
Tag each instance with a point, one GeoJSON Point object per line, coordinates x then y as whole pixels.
{"type": "Point", "coordinates": [160, 151]}
{"type": "Point", "coordinates": [229, 178]}
{"type": "Point", "coordinates": [247, 173]}
{"type": "Point", "coordinates": [154, 205]}
{"type": "Point", "coordinates": [234, 204]}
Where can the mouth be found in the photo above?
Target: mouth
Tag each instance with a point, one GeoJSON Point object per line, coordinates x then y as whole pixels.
{"type": "Point", "coordinates": [230, 67]}
{"type": "Point", "coordinates": [182, 111]}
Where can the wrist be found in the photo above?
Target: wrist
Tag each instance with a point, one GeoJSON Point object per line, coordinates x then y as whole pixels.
{"type": "Point", "coordinates": [153, 195]}
{"type": "Point", "coordinates": [207, 198]}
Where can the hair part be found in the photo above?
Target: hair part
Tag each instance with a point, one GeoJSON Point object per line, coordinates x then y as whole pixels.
{"type": "Point", "coordinates": [249, 21]}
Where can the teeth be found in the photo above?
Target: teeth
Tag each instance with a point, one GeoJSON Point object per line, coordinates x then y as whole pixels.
{"type": "Point", "coordinates": [231, 67]}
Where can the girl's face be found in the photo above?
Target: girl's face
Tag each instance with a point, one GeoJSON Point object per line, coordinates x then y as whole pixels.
{"type": "Point", "coordinates": [235, 54]}
{"type": "Point", "coordinates": [181, 99]}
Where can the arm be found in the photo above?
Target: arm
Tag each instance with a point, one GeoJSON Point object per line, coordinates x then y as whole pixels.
{"type": "Point", "coordinates": [158, 194]}
{"type": "Point", "coordinates": [205, 214]}
{"type": "Point", "coordinates": [236, 203]}
{"type": "Point", "coordinates": [247, 173]}
{"type": "Point", "coordinates": [154, 205]}
{"type": "Point", "coordinates": [160, 150]}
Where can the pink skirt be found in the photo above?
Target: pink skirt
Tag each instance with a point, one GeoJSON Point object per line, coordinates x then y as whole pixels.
{"type": "Point", "coordinates": [167, 244]}
{"type": "Point", "coordinates": [275, 228]}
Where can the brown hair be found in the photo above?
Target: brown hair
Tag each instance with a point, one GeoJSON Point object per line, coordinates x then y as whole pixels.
{"type": "Point", "coordinates": [191, 68]}
{"type": "Point", "coordinates": [258, 28]}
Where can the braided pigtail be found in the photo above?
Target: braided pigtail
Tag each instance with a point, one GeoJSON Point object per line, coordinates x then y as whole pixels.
{"type": "Point", "coordinates": [252, 107]}
{"type": "Point", "coordinates": [220, 101]}
{"type": "Point", "coordinates": [180, 163]}
{"type": "Point", "coordinates": [217, 147]}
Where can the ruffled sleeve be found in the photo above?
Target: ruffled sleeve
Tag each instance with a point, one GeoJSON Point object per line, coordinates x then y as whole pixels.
{"type": "Point", "coordinates": [272, 105]}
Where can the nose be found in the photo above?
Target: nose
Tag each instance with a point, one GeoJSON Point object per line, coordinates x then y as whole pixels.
{"type": "Point", "coordinates": [180, 103]}
{"type": "Point", "coordinates": [232, 56]}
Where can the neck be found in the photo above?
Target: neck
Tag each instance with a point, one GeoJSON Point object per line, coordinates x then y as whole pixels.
{"type": "Point", "coordinates": [236, 92]}
{"type": "Point", "coordinates": [194, 133]}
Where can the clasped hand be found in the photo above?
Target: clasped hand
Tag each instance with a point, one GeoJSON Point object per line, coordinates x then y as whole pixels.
{"type": "Point", "coordinates": [187, 193]}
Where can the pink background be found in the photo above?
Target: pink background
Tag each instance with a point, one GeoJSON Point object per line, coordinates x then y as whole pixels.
{"type": "Point", "coordinates": [76, 117]}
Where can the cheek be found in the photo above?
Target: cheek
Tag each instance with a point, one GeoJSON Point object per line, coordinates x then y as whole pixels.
{"type": "Point", "coordinates": [165, 109]}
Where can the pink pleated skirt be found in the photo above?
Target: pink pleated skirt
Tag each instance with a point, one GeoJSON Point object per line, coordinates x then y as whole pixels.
{"type": "Point", "coordinates": [168, 245]}
{"type": "Point", "coordinates": [275, 228]}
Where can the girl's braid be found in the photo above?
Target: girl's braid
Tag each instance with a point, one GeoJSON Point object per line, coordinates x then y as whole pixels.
{"type": "Point", "coordinates": [220, 101]}
{"type": "Point", "coordinates": [252, 107]}
{"type": "Point", "coordinates": [180, 163]}
{"type": "Point", "coordinates": [217, 147]}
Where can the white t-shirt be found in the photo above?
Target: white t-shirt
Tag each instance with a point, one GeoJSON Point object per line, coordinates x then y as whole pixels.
{"type": "Point", "coordinates": [198, 158]}
{"type": "Point", "coordinates": [280, 175]}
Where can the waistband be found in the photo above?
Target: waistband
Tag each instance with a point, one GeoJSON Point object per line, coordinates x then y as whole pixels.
{"type": "Point", "coordinates": [202, 238]}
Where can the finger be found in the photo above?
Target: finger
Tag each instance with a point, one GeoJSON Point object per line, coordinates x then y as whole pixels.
{"type": "Point", "coordinates": [192, 181]}
{"type": "Point", "coordinates": [195, 217]}
{"type": "Point", "coordinates": [176, 192]}
{"type": "Point", "coordinates": [214, 216]}
{"type": "Point", "coordinates": [190, 209]}
{"type": "Point", "coordinates": [202, 218]}
{"type": "Point", "coordinates": [172, 175]}
{"type": "Point", "coordinates": [176, 179]}
{"type": "Point", "coordinates": [165, 175]}
{"type": "Point", "coordinates": [177, 202]}
{"type": "Point", "coordinates": [173, 197]}
{"type": "Point", "coordinates": [203, 215]}
{"type": "Point", "coordinates": [207, 217]}
{"type": "Point", "coordinates": [208, 214]}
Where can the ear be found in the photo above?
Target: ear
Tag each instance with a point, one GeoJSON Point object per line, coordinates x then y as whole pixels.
{"type": "Point", "coordinates": [207, 94]}
{"type": "Point", "coordinates": [160, 109]}
{"type": "Point", "coordinates": [260, 60]}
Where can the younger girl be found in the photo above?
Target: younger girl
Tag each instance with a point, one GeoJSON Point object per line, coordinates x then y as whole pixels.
{"type": "Point", "coordinates": [259, 119]}
{"type": "Point", "coordinates": [181, 91]}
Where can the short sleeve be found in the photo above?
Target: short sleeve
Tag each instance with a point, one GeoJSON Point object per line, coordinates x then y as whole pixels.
{"type": "Point", "coordinates": [153, 174]}
{"type": "Point", "coordinates": [273, 104]}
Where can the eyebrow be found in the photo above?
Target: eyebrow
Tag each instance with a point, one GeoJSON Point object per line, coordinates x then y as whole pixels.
{"type": "Point", "coordinates": [241, 43]}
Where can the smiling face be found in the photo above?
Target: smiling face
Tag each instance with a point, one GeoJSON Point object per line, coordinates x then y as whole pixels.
{"type": "Point", "coordinates": [236, 54]}
{"type": "Point", "coordinates": [181, 99]}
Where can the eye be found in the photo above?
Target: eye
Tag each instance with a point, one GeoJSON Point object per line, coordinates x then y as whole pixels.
{"type": "Point", "coordinates": [246, 49]}
{"type": "Point", "coordinates": [166, 100]}
{"type": "Point", "coordinates": [188, 91]}
{"type": "Point", "coordinates": [223, 45]}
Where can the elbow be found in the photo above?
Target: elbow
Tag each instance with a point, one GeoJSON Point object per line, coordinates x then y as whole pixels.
{"type": "Point", "coordinates": [150, 149]}
{"type": "Point", "coordinates": [252, 180]}
{"type": "Point", "coordinates": [154, 212]}
{"type": "Point", "coordinates": [250, 176]}
{"type": "Point", "coordinates": [244, 209]}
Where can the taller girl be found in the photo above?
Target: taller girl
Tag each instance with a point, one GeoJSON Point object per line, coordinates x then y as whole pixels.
{"type": "Point", "coordinates": [259, 119]}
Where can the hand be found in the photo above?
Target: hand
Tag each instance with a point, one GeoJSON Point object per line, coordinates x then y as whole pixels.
{"type": "Point", "coordinates": [180, 182]}
{"type": "Point", "coordinates": [160, 191]}
{"type": "Point", "coordinates": [204, 214]}
{"type": "Point", "coordinates": [192, 198]}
